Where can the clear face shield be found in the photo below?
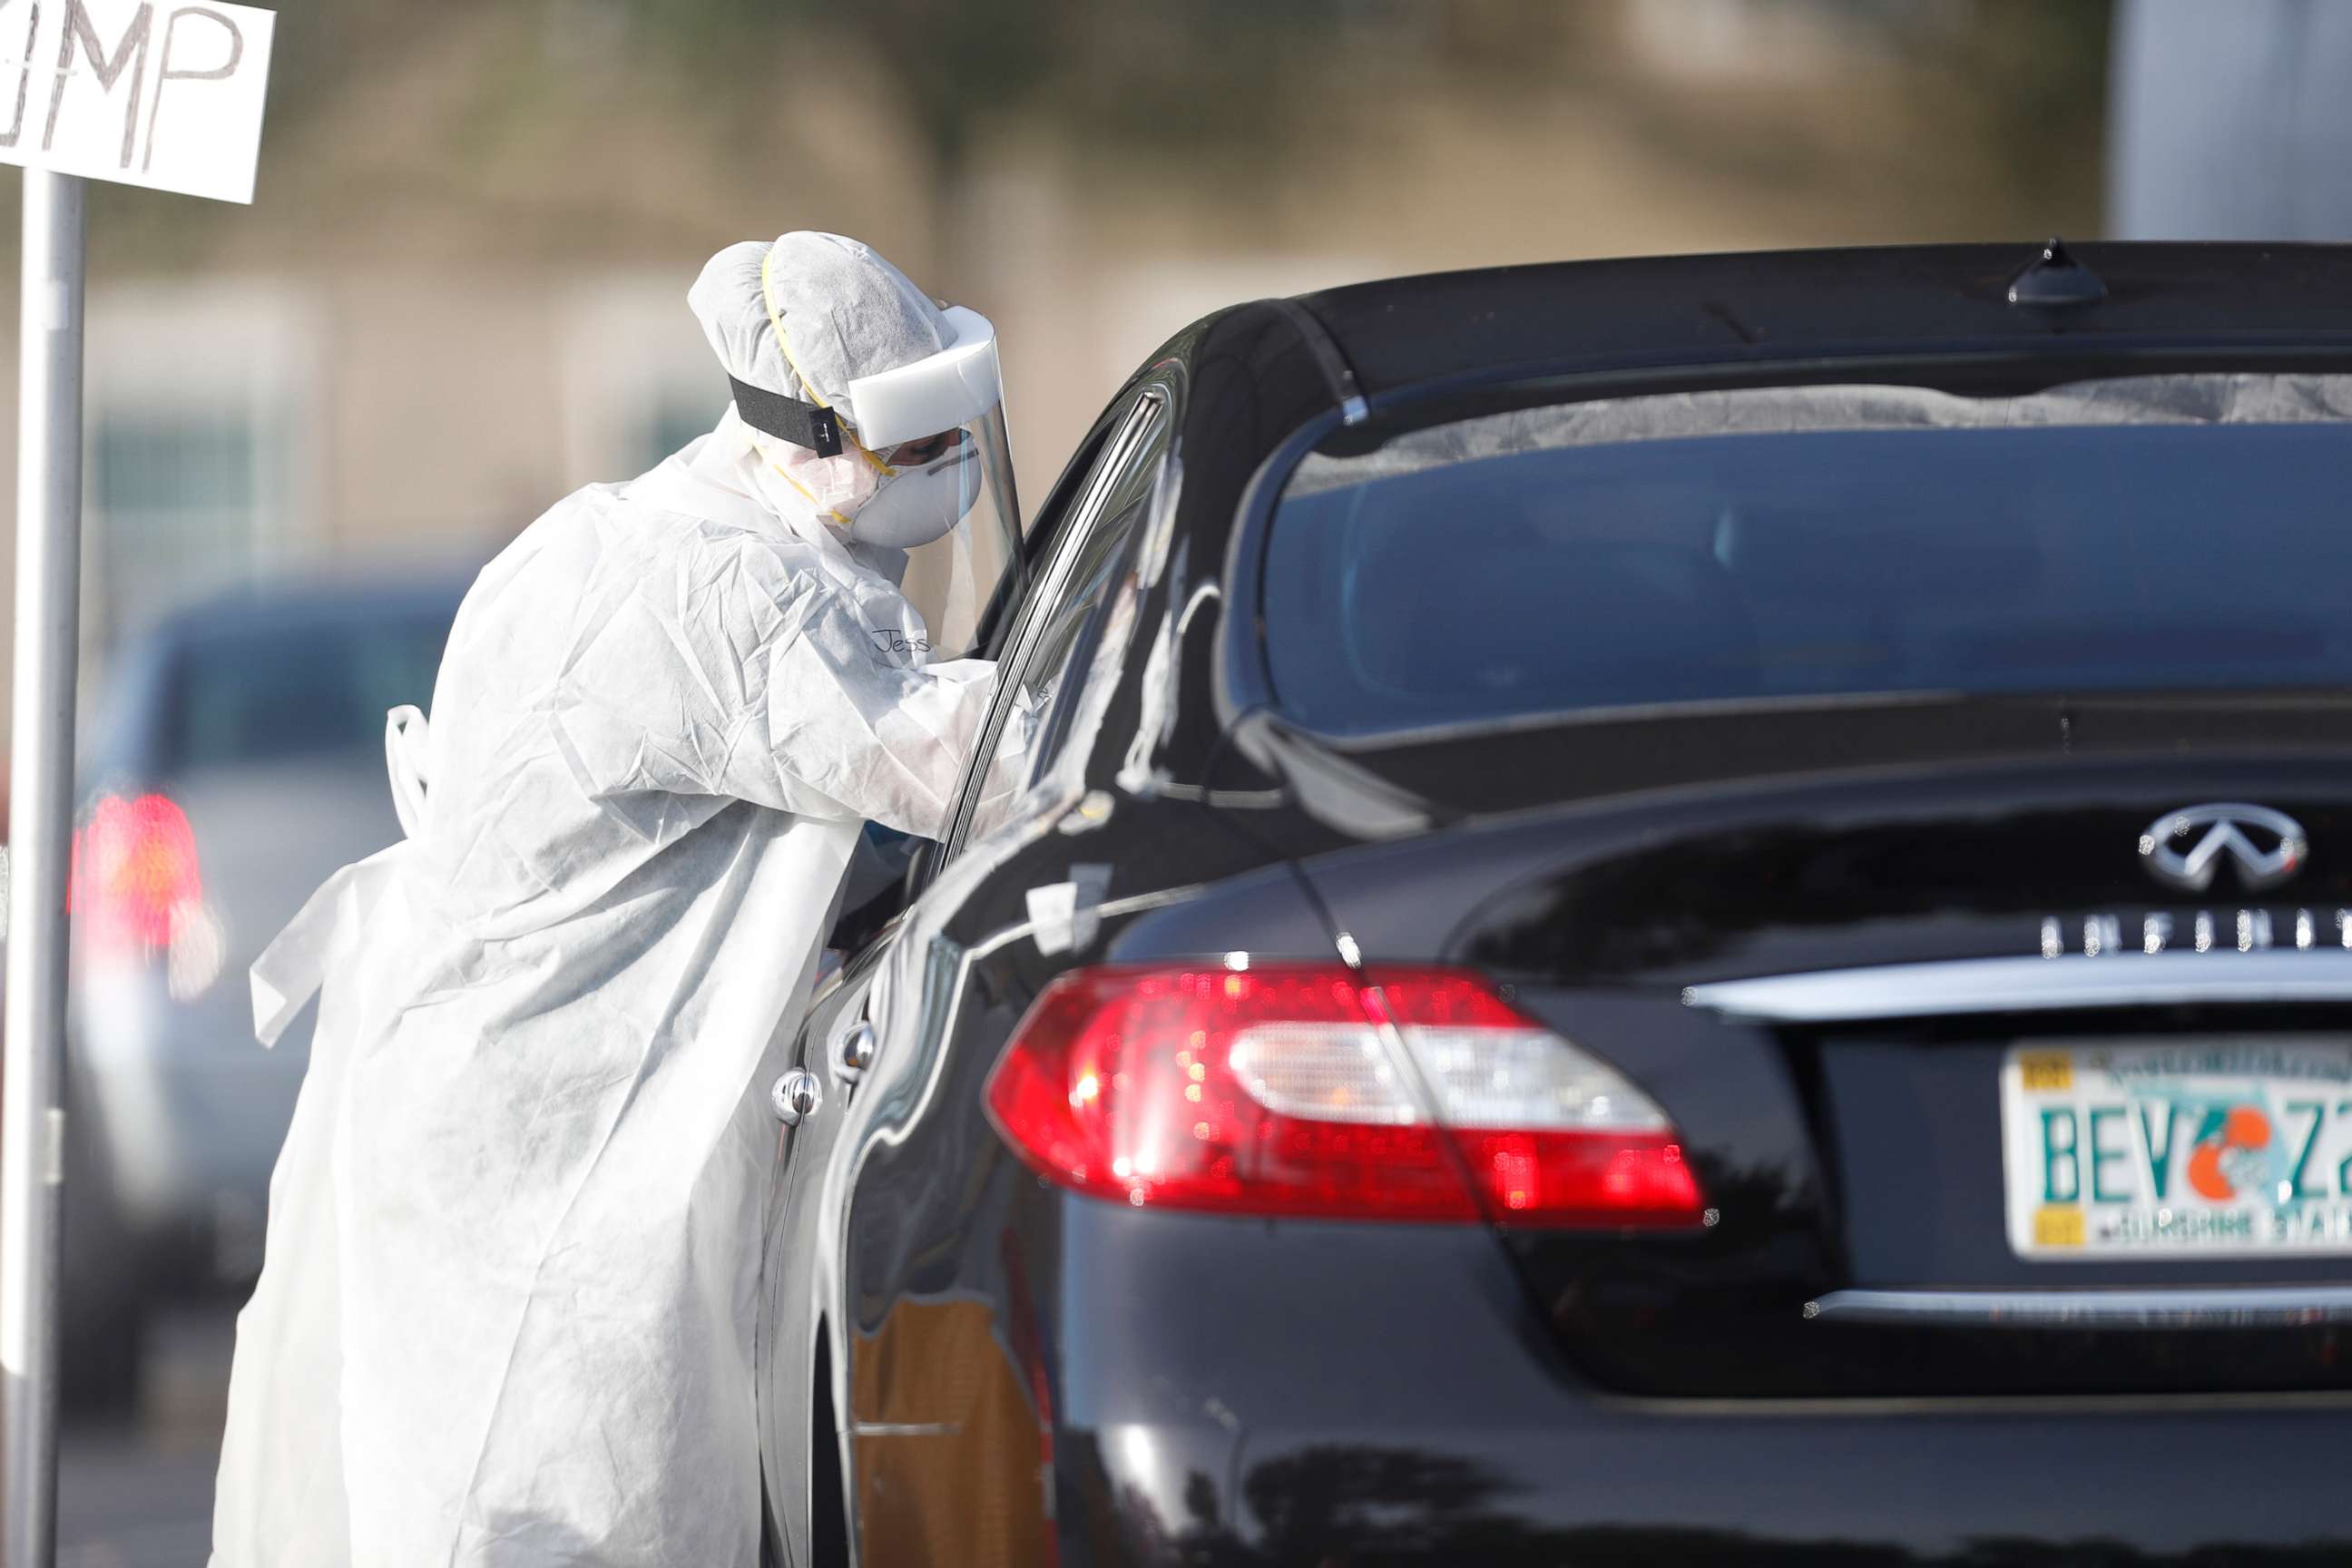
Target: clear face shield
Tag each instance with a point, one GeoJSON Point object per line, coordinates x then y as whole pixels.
{"type": "Point", "coordinates": [937, 426]}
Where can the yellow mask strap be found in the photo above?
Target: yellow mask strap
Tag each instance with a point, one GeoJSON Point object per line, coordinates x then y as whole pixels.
{"type": "Point", "coordinates": [785, 341]}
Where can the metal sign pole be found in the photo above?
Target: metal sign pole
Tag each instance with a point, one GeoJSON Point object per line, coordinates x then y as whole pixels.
{"type": "Point", "coordinates": [48, 605]}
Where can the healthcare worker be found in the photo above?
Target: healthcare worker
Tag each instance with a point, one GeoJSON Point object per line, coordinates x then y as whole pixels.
{"type": "Point", "coordinates": [506, 1312]}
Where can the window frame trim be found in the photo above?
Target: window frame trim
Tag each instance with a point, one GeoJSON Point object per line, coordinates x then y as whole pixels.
{"type": "Point", "coordinates": [1131, 437]}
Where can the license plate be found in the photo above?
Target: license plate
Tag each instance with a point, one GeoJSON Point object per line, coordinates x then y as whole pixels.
{"type": "Point", "coordinates": [2209, 1148]}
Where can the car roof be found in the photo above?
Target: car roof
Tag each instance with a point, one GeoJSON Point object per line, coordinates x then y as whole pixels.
{"type": "Point", "coordinates": [1727, 308]}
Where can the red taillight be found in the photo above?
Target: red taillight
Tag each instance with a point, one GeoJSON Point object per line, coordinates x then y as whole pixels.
{"type": "Point", "coordinates": [1273, 1090]}
{"type": "Point", "coordinates": [134, 872]}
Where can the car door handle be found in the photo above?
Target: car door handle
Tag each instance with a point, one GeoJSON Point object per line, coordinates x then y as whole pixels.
{"type": "Point", "coordinates": [794, 1096]}
{"type": "Point", "coordinates": [2221, 1307]}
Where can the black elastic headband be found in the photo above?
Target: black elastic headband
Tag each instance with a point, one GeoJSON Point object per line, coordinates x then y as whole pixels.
{"type": "Point", "coordinates": [788, 419]}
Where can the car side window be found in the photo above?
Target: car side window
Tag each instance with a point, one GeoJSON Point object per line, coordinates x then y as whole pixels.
{"type": "Point", "coordinates": [1051, 524]}
{"type": "Point", "coordinates": [1095, 564]}
{"type": "Point", "coordinates": [1077, 576]}
{"type": "Point", "coordinates": [1002, 614]}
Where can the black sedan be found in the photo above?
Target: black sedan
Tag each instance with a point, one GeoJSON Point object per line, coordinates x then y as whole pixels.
{"type": "Point", "coordinates": [1690, 911]}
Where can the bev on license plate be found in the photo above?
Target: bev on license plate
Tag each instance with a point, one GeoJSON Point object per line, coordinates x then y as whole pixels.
{"type": "Point", "coordinates": [2208, 1148]}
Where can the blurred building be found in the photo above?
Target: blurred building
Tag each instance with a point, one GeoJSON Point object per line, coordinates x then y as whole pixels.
{"type": "Point", "coordinates": [461, 293]}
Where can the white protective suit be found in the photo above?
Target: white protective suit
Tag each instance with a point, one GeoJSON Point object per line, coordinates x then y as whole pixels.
{"type": "Point", "coordinates": [507, 1308]}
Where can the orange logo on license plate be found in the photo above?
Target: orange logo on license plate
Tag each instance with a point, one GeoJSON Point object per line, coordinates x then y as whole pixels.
{"type": "Point", "coordinates": [2045, 1073]}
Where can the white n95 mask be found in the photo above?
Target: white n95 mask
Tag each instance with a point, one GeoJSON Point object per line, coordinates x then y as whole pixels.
{"type": "Point", "coordinates": [915, 507]}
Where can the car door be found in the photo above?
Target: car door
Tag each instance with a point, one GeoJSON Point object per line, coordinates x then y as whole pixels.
{"type": "Point", "coordinates": [1081, 536]}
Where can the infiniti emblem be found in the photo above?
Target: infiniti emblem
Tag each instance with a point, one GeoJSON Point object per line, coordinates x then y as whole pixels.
{"type": "Point", "coordinates": [2184, 848]}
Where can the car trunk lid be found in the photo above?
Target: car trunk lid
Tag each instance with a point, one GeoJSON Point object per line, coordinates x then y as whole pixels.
{"type": "Point", "coordinates": [1857, 1156]}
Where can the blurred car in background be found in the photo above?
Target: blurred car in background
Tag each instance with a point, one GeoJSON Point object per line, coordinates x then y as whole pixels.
{"type": "Point", "coordinates": [236, 761]}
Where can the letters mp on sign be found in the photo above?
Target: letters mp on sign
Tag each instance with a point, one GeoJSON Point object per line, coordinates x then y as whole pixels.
{"type": "Point", "coordinates": [164, 93]}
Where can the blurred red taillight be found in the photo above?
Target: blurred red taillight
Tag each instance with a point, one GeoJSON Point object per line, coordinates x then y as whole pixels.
{"type": "Point", "coordinates": [1274, 1090]}
{"type": "Point", "coordinates": [134, 872]}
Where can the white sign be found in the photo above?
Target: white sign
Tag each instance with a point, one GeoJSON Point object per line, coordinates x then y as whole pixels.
{"type": "Point", "coordinates": [162, 93]}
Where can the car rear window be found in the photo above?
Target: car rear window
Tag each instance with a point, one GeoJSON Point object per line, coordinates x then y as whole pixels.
{"type": "Point", "coordinates": [240, 695]}
{"type": "Point", "coordinates": [1437, 585]}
